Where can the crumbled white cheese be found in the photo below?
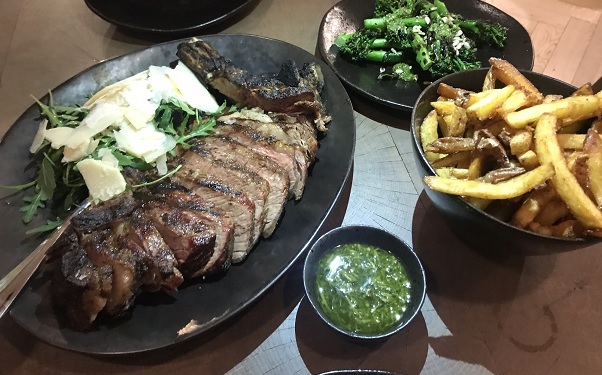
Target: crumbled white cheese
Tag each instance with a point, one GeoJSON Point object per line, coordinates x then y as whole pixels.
{"type": "Point", "coordinates": [427, 19]}
{"type": "Point", "coordinates": [417, 29]}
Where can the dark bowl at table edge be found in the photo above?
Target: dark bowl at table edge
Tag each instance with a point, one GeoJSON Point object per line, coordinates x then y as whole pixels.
{"type": "Point", "coordinates": [476, 227]}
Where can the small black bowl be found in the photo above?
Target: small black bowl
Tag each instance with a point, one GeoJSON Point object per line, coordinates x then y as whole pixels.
{"type": "Point", "coordinates": [476, 227]}
{"type": "Point", "coordinates": [374, 237]}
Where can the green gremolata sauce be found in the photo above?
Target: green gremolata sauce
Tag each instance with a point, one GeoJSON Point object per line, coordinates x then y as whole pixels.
{"type": "Point", "coordinates": [362, 289]}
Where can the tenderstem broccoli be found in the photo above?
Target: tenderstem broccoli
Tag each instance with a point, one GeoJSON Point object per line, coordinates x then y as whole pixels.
{"type": "Point", "coordinates": [422, 33]}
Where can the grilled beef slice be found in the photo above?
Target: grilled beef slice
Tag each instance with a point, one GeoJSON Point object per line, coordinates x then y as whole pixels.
{"type": "Point", "coordinates": [222, 226]}
{"type": "Point", "coordinates": [277, 151]}
{"type": "Point", "coordinates": [235, 205]}
{"type": "Point", "coordinates": [80, 288]}
{"type": "Point", "coordinates": [236, 174]}
{"type": "Point", "coordinates": [232, 152]}
{"type": "Point", "coordinates": [292, 90]}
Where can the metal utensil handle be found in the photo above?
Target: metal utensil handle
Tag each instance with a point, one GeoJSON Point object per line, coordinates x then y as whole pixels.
{"type": "Point", "coordinates": [12, 284]}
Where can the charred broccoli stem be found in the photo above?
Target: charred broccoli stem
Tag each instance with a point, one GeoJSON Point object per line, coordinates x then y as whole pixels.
{"type": "Point", "coordinates": [489, 33]}
{"type": "Point", "coordinates": [361, 46]}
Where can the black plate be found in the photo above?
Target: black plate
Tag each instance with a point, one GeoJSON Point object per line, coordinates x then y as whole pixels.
{"type": "Point", "coordinates": [208, 303]}
{"type": "Point", "coordinates": [166, 16]}
{"type": "Point", "coordinates": [348, 15]}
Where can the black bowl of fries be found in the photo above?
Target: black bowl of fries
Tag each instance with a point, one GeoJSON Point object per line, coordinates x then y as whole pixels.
{"type": "Point", "coordinates": [512, 160]}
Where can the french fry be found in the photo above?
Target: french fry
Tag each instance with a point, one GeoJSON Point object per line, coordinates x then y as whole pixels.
{"type": "Point", "coordinates": [585, 89]}
{"type": "Point", "coordinates": [452, 118]}
{"type": "Point", "coordinates": [487, 106]}
{"type": "Point", "coordinates": [512, 151]}
{"type": "Point", "coordinates": [474, 97]}
{"type": "Point", "coordinates": [552, 212]}
{"type": "Point", "coordinates": [508, 74]}
{"type": "Point", "coordinates": [533, 205]}
{"type": "Point", "coordinates": [515, 101]}
{"type": "Point", "coordinates": [489, 81]}
{"type": "Point", "coordinates": [450, 172]}
{"type": "Point", "coordinates": [569, 110]}
{"type": "Point", "coordinates": [593, 148]}
{"type": "Point", "coordinates": [512, 188]}
{"type": "Point", "coordinates": [529, 159]}
{"type": "Point", "coordinates": [567, 228]}
{"type": "Point", "coordinates": [549, 152]}
{"type": "Point", "coordinates": [429, 134]}
{"type": "Point", "coordinates": [571, 141]}
{"type": "Point", "coordinates": [521, 142]}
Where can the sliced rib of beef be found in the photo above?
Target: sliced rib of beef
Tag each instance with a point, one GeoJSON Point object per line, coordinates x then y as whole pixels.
{"type": "Point", "coordinates": [80, 288]}
{"type": "Point", "coordinates": [234, 174]}
{"type": "Point", "coordinates": [222, 226]}
{"type": "Point", "coordinates": [230, 151]}
{"type": "Point", "coordinates": [298, 94]}
{"type": "Point", "coordinates": [141, 237]}
{"type": "Point", "coordinates": [102, 249]}
{"type": "Point", "coordinates": [277, 151]}
{"type": "Point", "coordinates": [100, 216]}
{"type": "Point", "coordinates": [189, 236]}
{"type": "Point", "coordinates": [234, 204]}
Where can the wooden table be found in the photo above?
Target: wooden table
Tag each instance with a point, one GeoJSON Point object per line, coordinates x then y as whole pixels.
{"type": "Point", "coordinates": [485, 313]}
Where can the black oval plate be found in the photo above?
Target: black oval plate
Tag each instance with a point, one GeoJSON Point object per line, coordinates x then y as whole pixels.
{"type": "Point", "coordinates": [208, 303]}
{"type": "Point", "coordinates": [172, 17]}
{"type": "Point", "coordinates": [348, 15]}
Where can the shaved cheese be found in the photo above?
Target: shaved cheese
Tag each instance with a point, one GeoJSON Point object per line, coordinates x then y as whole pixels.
{"type": "Point", "coordinates": [78, 153]}
{"type": "Point", "coordinates": [192, 90]}
{"type": "Point", "coordinates": [114, 88]}
{"type": "Point", "coordinates": [38, 139]}
{"type": "Point", "coordinates": [104, 181]}
{"type": "Point", "coordinates": [58, 136]}
{"type": "Point", "coordinates": [141, 141]}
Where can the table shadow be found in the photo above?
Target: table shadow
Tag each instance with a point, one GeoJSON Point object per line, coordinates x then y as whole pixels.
{"type": "Point", "coordinates": [473, 290]}
{"type": "Point", "coordinates": [324, 349]}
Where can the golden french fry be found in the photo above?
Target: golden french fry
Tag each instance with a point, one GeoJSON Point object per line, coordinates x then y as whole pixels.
{"type": "Point", "coordinates": [571, 141]}
{"type": "Point", "coordinates": [444, 107]}
{"type": "Point", "coordinates": [549, 152]}
{"type": "Point", "coordinates": [489, 81]}
{"type": "Point", "coordinates": [474, 97]}
{"type": "Point", "coordinates": [475, 169]}
{"type": "Point", "coordinates": [529, 159]}
{"type": "Point", "coordinates": [568, 110]}
{"type": "Point", "coordinates": [515, 101]}
{"type": "Point", "coordinates": [585, 89]}
{"type": "Point", "coordinates": [487, 106]}
{"type": "Point", "coordinates": [521, 142]}
{"type": "Point", "coordinates": [567, 228]}
{"type": "Point", "coordinates": [593, 149]}
{"type": "Point", "coordinates": [553, 211]}
{"type": "Point", "coordinates": [508, 74]}
{"type": "Point", "coordinates": [451, 172]}
{"type": "Point", "coordinates": [551, 98]}
{"type": "Point", "coordinates": [429, 134]}
{"type": "Point", "coordinates": [512, 188]}
{"type": "Point", "coordinates": [533, 205]}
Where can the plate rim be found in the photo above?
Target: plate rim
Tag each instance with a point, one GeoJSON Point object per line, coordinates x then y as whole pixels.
{"type": "Point", "coordinates": [120, 22]}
